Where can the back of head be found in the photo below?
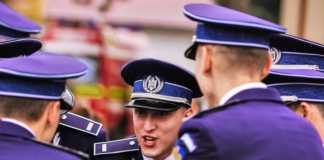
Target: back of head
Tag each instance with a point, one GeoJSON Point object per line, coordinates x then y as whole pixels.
{"type": "Point", "coordinates": [25, 109]}
{"type": "Point", "coordinates": [236, 59]}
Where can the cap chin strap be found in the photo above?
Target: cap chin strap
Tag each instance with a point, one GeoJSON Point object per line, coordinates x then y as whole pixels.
{"type": "Point", "coordinates": [289, 98]}
{"type": "Point", "coordinates": [160, 97]}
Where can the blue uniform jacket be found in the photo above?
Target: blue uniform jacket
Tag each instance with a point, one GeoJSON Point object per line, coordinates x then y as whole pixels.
{"type": "Point", "coordinates": [253, 125]}
{"type": "Point", "coordinates": [17, 143]}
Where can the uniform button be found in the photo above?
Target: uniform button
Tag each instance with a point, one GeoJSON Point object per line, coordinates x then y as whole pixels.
{"type": "Point", "coordinates": [132, 143]}
{"type": "Point", "coordinates": [64, 117]}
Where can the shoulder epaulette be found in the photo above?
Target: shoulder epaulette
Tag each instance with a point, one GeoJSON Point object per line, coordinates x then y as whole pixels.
{"type": "Point", "coordinates": [116, 146]}
{"type": "Point", "coordinates": [80, 123]}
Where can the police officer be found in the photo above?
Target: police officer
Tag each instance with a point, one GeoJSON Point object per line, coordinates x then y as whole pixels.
{"type": "Point", "coordinates": [30, 91]}
{"type": "Point", "coordinates": [15, 32]}
{"type": "Point", "coordinates": [298, 78]}
{"type": "Point", "coordinates": [301, 91]}
{"type": "Point", "coordinates": [246, 120]}
{"type": "Point", "coordinates": [161, 98]}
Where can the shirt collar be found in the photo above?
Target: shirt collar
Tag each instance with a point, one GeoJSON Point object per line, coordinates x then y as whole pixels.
{"type": "Point", "coordinates": [19, 123]}
{"type": "Point", "coordinates": [228, 95]}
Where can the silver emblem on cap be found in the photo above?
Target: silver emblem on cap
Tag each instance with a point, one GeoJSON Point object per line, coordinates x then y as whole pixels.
{"type": "Point", "coordinates": [152, 84]}
{"type": "Point", "coordinates": [275, 55]}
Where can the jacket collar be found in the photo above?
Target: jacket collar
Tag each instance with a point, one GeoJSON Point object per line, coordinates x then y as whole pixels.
{"type": "Point", "coordinates": [12, 129]}
{"type": "Point", "coordinates": [255, 94]}
{"type": "Point", "coordinates": [234, 91]}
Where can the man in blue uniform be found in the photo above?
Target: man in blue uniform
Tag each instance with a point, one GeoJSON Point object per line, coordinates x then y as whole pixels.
{"type": "Point", "coordinates": [15, 32]}
{"type": "Point", "coordinates": [246, 120]}
{"type": "Point", "coordinates": [299, 62]}
{"type": "Point", "coordinates": [301, 90]}
{"type": "Point", "coordinates": [161, 100]}
{"type": "Point", "coordinates": [30, 90]}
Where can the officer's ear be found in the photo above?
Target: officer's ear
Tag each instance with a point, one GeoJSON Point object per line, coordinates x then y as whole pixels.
{"type": "Point", "coordinates": [189, 112]}
{"type": "Point", "coordinates": [266, 68]}
{"type": "Point", "coordinates": [50, 121]}
{"type": "Point", "coordinates": [303, 109]}
{"type": "Point", "coordinates": [204, 59]}
{"type": "Point", "coordinates": [53, 111]}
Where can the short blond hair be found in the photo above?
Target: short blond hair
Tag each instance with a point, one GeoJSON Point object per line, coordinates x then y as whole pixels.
{"type": "Point", "coordinates": [237, 58]}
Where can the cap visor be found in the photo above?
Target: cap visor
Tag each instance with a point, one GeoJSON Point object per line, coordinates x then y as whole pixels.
{"type": "Point", "coordinates": [152, 104]}
{"type": "Point", "coordinates": [65, 106]}
{"type": "Point", "coordinates": [191, 51]}
{"type": "Point", "coordinates": [67, 101]}
{"type": "Point", "coordinates": [17, 47]}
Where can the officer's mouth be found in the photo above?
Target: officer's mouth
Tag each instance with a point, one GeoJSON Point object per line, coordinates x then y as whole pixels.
{"type": "Point", "coordinates": [149, 141]}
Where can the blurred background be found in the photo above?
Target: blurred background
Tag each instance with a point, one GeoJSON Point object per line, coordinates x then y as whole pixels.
{"type": "Point", "coordinates": [105, 34]}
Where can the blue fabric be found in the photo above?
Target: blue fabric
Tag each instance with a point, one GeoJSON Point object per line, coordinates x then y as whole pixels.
{"type": "Point", "coordinates": [80, 123]}
{"type": "Point", "coordinates": [31, 88]}
{"type": "Point", "coordinates": [229, 35]}
{"type": "Point", "coordinates": [181, 149]}
{"type": "Point", "coordinates": [301, 90]}
{"type": "Point", "coordinates": [44, 65]}
{"type": "Point", "coordinates": [15, 31]}
{"type": "Point", "coordinates": [11, 19]}
{"type": "Point", "coordinates": [121, 149]}
{"type": "Point", "coordinates": [167, 90]}
{"type": "Point", "coordinates": [224, 26]}
{"type": "Point", "coordinates": [216, 14]}
{"type": "Point", "coordinates": [255, 125]}
{"type": "Point", "coordinates": [17, 143]}
{"type": "Point", "coordinates": [291, 58]}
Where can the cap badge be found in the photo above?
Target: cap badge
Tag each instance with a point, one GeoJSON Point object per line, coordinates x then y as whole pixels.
{"type": "Point", "coordinates": [275, 55]}
{"type": "Point", "coordinates": [152, 84]}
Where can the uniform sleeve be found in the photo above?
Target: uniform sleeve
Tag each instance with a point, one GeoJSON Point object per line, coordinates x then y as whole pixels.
{"type": "Point", "coordinates": [194, 142]}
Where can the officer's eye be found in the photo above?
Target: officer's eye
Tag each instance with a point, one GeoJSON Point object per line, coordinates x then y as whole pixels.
{"type": "Point", "coordinates": [162, 113]}
{"type": "Point", "coordinates": [140, 112]}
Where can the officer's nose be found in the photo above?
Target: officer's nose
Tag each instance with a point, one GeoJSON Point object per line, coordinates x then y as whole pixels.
{"type": "Point", "coordinates": [149, 124]}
